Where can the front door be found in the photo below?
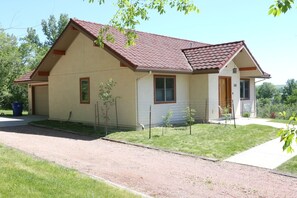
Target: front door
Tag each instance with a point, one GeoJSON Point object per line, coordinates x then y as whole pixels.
{"type": "Point", "coordinates": [225, 94]}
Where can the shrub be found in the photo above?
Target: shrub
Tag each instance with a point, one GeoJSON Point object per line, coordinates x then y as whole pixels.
{"type": "Point", "coordinates": [246, 114]}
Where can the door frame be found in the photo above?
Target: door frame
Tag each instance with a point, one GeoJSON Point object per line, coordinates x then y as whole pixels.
{"type": "Point", "coordinates": [228, 90]}
{"type": "Point", "coordinates": [33, 90]}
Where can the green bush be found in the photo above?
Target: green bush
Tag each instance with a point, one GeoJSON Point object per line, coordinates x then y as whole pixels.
{"type": "Point", "coordinates": [246, 114]}
{"type": "Point", "coordinates": [270, 110]}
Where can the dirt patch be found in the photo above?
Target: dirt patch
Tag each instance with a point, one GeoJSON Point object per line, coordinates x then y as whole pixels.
{"type": "Point", "coordinates": [153, 172]}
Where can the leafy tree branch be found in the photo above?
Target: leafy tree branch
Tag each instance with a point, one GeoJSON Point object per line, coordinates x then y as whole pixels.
{"type": "Point", "coordinates": [131, 12]}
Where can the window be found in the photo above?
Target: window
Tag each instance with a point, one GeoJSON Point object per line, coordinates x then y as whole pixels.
{"type": "Point", "coordinates": [84, 85]}
{"type": "Point", "coordinates": [244, 89]}
{"type": "Point", "coordinates": [164, 89]}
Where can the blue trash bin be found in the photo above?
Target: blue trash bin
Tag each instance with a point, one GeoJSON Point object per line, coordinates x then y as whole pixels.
{"type": "Point", "coordinates": [17, 108]}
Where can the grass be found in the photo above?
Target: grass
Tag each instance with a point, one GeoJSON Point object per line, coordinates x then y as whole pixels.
{"type": "Point", "coordinates": [4, 112]}
{"type": "Point", "coordinates": [209, 140]}
{"type": "Point", "coordinates": [289, 167]}
{"type": "Point", "coordinates": [75, 127]}
{"type": "Point", "coordinates": [25, 176]}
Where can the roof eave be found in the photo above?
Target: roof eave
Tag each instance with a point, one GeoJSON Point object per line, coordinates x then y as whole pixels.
{"type": "Point", "coordinates": [162, 70]}
{"type": "Point", "coordinates": [206, 71]}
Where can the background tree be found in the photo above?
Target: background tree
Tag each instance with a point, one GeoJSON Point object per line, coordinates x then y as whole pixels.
{"type": "Point", "coordinates": [32, 49]}
{"type": "Point", "coordinates": [288, 90]}
{"type": "Point", "coordinates": [20, 56]}
{"type": "Point", "coordinates": [53, 28]}
{"type": "Point", "coordinates": [10, 68]}
{"type": "Point", "coordinates": [266, 90]}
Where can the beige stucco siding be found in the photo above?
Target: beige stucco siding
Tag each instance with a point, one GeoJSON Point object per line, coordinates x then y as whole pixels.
{"type": "Point", "coordinates": [83, 59]}
{"type": "Point", "coordinates": [213, 96]}
{"type": "Point", "coordinates": [199, 95]}
{"type": "Point", "coordinates": [145, 89]}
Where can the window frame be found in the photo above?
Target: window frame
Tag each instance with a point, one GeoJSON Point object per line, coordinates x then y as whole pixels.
{"type": "Point", "coordinates": [80, 90]}
{"type": "Point", "coordinates": [174, 89]}
{"type": "Point", "coordinates": [249, 89]}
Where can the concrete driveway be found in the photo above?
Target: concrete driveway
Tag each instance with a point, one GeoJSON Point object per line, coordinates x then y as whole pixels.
{"type": "Point", "coordinates": [19, 120]}
{"type": "Point", "coordinates": [152, 172]}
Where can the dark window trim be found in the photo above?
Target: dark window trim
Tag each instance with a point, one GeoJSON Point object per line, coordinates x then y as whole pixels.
{"type": "Point", "coordinates": [164, 76]}
{"type": "Point", "coordinates": [80, 91]}
{"type": "Point", "coordinates": [249, 82]}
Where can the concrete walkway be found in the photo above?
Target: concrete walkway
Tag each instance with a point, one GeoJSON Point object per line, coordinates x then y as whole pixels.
{"type": "Point", "coordinates": [20, 120]}
{"type": "Point", "coordinates": [268, 155]}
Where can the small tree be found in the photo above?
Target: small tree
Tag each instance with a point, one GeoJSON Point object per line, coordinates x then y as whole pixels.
{"type": "Point", "coordinates": [167, 120]}
{"type": "Point", "coordinates": [190, 117]}
{"type": "Point", "coordinates": [289, 134]}
{"type": "Point", "coordinates": [107, 99]}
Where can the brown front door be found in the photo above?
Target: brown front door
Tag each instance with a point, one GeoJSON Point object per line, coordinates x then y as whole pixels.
{"type": "Point", "coordinates": [225, 93]}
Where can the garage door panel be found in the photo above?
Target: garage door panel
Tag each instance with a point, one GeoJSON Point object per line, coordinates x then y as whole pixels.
{"type": "Point", "coordinates": [41, 100]}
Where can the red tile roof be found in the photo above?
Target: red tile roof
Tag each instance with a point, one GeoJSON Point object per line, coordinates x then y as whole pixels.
{"type": "Point", "coordinates": [24, 78]}
{"type": "Point", "coordinates": [154, 52]}
{"type": "Point", "coordinates": [212, 56]}
{"type": "Point", "coordinates": [151, 52]}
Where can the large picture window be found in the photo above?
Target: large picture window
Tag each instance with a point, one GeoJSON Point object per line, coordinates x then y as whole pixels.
{"type": "Point", "coordinates": [244, 89]}
{"type": "Point", "coordinates": [164, 89]}
{"type": "Point", "coordinates": [84, 84]}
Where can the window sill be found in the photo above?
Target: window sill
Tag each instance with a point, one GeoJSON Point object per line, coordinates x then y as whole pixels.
{"type": "Point", "coordinates": [243, 99]}
{"type": "Point", "coordinates": [171, 102]}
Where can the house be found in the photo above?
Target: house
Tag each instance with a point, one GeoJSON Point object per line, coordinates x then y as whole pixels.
{"type": "Point", "coordinates": [164, 73]}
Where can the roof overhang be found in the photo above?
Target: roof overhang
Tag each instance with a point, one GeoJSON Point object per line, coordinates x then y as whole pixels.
{"type": "Point", "coordinates": [58, 50]}
{"type": "Point", "coordinates": [247, 64]}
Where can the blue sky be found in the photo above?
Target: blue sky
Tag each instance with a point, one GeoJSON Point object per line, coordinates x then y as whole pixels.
{"type": "Point", "coordinates": [272, 40]}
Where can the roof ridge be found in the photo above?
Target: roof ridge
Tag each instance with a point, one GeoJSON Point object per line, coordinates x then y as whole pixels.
{"type": "Point", "coordinates": [214, 45]}
{"type": "Point", "coordinates": [171, 37]}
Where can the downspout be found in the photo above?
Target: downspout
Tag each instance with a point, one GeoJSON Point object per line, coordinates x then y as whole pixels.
{"type": "Point", "coordinates": [137, 102]}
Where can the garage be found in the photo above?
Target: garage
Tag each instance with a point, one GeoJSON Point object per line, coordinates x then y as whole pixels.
{"type": "Point", "coordinates": [40, 100]}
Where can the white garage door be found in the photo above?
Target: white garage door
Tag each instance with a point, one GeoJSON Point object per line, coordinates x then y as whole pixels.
{"type": "Point", "coordinates": [41, 100]}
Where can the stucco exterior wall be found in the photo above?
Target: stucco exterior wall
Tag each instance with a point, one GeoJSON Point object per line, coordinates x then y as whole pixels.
{"type": "Point", "coordinates": [83, 59]}
{"type": "Point", "coordinates": [145, 92]}
{"type": "Point", "coordinates": [213, 96]}
{"type": "Point", "coordinates": [250, 105]}
{"type": "Point", "coordinates": [199, 89]}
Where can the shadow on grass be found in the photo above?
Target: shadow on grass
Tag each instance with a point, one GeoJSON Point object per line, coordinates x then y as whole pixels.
{"type": "Point", "coordinates": [74, 130]}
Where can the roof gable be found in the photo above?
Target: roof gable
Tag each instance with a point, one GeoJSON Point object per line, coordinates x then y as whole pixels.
{"type": "Point", "coordinates": [212, 56]}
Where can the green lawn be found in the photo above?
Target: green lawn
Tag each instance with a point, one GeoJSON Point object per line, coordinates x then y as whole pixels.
{"type": "Point", "coordinates": [4, 112]}
{"type": "Point", "coordinates": [25, 176]}
{"type": "Point", "coordinates": [75, 127]}
{"type": "Point", "coordinates": [290, 166]}
{"type": "Point", "coordinates": [209, 140]}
